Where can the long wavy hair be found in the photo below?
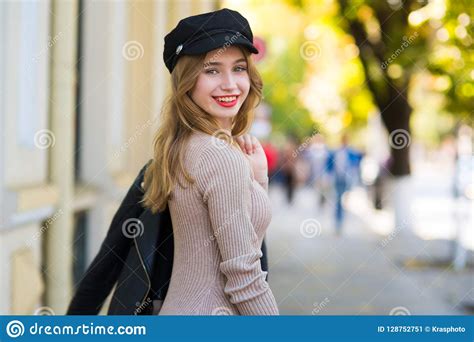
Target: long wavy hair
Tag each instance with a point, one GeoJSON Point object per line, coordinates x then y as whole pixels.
{"type": "Point", "coordinates": [180, 116]}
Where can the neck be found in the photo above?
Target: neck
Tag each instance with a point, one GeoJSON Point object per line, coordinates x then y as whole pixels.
{"type": "Point", "coordinates": [225, 124]}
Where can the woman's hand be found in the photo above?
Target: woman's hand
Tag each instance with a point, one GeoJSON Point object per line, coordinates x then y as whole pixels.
{"type": "Point", "coordinates": [253, 150]}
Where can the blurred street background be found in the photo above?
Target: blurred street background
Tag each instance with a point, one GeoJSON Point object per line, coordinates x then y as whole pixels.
{"type": "Point", "coordinates": [366, 122]}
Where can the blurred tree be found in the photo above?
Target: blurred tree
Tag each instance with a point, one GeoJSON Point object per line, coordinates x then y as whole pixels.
{"type": "Point", "coordinates": [331, 63]}
{"type": "Point", "coordinates": [282, 69]}
{"type": "Point", "coordinates": [283, 75]}
{"type": "Point", "coordinates": [452, 58]}
{"type": "Point", "coordinates": [398, 39]}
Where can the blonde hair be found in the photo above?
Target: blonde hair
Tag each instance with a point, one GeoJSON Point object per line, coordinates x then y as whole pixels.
{"type": "Point", "coordinates": [180, 117]}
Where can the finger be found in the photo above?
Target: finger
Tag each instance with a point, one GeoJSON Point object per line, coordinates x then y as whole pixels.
{"type": "Point", "coordinates": [255, 144]}
{"type": "Point", "coordinates": [241, 142]}
{"type": "Point", "coordinates": [248, 143]}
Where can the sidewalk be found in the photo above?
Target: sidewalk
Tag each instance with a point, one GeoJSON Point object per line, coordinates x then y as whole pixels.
{"type": "Point", "coordinates": [312, 271]}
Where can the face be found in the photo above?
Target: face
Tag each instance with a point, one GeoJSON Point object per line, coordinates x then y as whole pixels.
{"type": "Point", "coordinates": [223, 85]}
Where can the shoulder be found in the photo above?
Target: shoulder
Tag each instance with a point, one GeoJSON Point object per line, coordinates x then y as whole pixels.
{"type": "Point", "coordinates": [221, 153]}
{"type": "Point", "coordinates": [216, 157]}
{"type": "Point", "coordinates": [221, 168]}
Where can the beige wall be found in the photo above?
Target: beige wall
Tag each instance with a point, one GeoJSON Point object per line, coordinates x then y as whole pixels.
{"type": "Point", "coordinates": [122, 83]}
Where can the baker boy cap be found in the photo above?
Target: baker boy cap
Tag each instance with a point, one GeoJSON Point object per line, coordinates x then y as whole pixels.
{"type": "Point", "coordinates": [206, 32]}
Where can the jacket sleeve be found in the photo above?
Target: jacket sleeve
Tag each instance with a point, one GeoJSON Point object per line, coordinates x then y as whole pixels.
{"type": "Point", "coordinates": [264, 259]}
{"type": "Point", "coordinates": [224, 180]}
{"type": "Point", "coordinates": [105, 269]}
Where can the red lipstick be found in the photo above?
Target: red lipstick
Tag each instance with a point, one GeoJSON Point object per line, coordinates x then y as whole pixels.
{"type": "Point", "coordinates": [226, 103]}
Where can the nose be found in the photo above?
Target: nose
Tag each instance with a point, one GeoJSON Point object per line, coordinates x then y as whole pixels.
{"type": "Point", "coordinates": [228, 81]}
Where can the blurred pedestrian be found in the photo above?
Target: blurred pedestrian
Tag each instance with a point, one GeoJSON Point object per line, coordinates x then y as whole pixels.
{"type": "Point", "coordinates": [271, 152]}
{"type": "Point", "coordinates": [288, 168]}
{"type": "Point", "coordinates": [343, 168]}
{"type": "Point", "coordinates": [318, 154]}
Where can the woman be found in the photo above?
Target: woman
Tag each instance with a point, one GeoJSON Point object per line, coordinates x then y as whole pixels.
{"type": "Point", "coordinates": [214, 185]}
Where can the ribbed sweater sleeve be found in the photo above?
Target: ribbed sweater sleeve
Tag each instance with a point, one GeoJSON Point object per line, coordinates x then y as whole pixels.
{"type": "Point", "coordinates": [262, 180]}
{"type": "Point", "coordinates": [224, 180]}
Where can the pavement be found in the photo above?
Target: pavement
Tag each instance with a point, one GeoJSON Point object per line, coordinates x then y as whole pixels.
{"type": "Point", "coordinates": [371, 269]}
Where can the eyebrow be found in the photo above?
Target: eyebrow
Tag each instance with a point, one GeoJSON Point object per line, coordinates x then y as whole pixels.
{"type": "Point", "coordinates": [219, 63]}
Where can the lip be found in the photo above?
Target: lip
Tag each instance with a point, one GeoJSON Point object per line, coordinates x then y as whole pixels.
{"type": "Point", "coordinates": [226, 104]}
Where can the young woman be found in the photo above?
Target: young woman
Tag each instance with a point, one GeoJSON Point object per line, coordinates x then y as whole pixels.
{"type": "Point", "coordinates": [211, 174]}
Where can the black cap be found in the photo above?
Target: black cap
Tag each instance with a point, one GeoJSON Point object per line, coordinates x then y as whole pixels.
{"type": "Point", "coordinates": [206, 32]}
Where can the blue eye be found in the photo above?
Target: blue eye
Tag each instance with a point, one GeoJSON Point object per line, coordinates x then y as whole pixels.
{"type": "Point", "coordinates": [211, 71]}
{"type": "Point", "coordinates": [240, 68]}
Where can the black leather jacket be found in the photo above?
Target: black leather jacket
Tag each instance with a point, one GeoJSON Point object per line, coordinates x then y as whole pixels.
{"type": "Point", "coordinates": [140, 266]}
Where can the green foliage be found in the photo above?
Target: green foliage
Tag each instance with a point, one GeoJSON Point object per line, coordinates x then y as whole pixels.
{"type": "Point", "coordinates": [409, 45]}
{"type": "Point", "coordinates": [283, 75]}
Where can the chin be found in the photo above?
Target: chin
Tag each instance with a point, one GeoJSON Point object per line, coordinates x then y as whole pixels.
{"type": "Point", "coordinates": [224, 114]}
{"type": "Point", "coordinates": [224, 117]}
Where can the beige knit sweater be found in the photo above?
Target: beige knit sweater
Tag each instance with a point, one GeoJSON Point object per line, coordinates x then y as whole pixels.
{"type": "Point", "coordinates": [219, 223]}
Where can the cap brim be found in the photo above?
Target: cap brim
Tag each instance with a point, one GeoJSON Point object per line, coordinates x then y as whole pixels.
{"type": "Point", "coordinates": [217, 41]}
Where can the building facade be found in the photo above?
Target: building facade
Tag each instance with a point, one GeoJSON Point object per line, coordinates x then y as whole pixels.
{"type": "Point", "coordinates": [81, 87]}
